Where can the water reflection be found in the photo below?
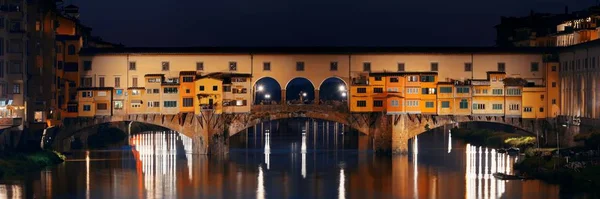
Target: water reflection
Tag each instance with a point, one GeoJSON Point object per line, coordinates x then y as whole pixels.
{"type": "Point", "coordinates": [292, 164]}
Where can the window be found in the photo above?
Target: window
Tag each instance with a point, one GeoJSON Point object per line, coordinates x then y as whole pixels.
{"type": "Point", "coordinates": [132, 65]}
{"type": "Point", "coordinates": [15, 46]}
{"type": "Point", "coordinates": [15, 26]}
{"type": "Point", "coordinates": [1, 69]}
{"type": "Point", "coordinates": [501, 66]}
{"type": "Point", "coordinates": [412, 90]}
{"type": "Point", "coordinates": [135, 92]}
{"type": "Point", "coordinates": [497, 91]}
{"type": "Point", "coordinates": [1, 45]}
{"type": "Point", "coordinates": [165, 66]}
{"type": "Point", "coordinates": [367, 66]}
{"type": "Point", "coordinates": [412, 103]}
{"type": "Point", "coordinates": [412, 78]}
{"type": "Point", "coordinates": [154, 104]}
{"type": "Point", "coordinates": [135, 105]}
{"type": "Point", "coordinates": [513, 91]}
{"type": "Point", "coordinates": [201, 88]}
{"type": "Point", "coordinates": [86, 81]}
{"type": "Point", "coordinates": [393, 79]}
{"type": "Point", "coordinates": [378, 78]}
{"type": "Point", "coordinates": [240, 90]}
{"type": "Point", "coordinates": [199, 66]}
{"type": "Point", "coordinates": [333, 66]}
{"type": "Point", "coordinates": [428, 104]}
{"type": "Point", "coordinates": [361, 103]}
{"type": "Point", "coordinates": [17, 88]}
{"type": "Point", "coordinates": [478, 106]}
{"type": "Point", "coordinates": [428, 91]}
{"type": "Point", "coordinates": [188, 102]}
{"type": "Point", "coordinates": [15, 67]}
{"type": "Point", "coordinates": [377, 103]}
{"type": "Point", "coordinates": [87, 65]}
{"type": "Point", "coordinates": [101, 106]}
{"type": "Point", "coordinates": [553, 101]}
{"type": "Point", "coordinates": [395, 103]}
{"type": "Point", "coordinates": [535, 66]}
{"type": "Point", "coordinates": [154, 80]}
{"type": "Point", "coordinates": [392, 90]}
{"type": "Point", "coordinates": [188, 79]}
{"type": "Point", "coordinates": [445, 104]}
{"type": "Point", "coordinates": [215, 88]}
{"type": "Point", "coordinates": [227, 88]}
{"type": "Point", "coordinates": [134, 82]}
{"type": "Point", "coordinates": [59, 65]}
{"type": "Point", "coordinates": [232, 66]}
{"type": "Point", "coordinates": [427, 78]}
{"type": "Point", "coordinates": [87, 107]}
{"type": "Point", "coordinates": [553, 84]}
{"type": "Point", "coordinates": [513, 107]}
{"type": "Point", "coordinates": [118, 105]}
{"type": "Point", "coordinates": [401, 67]}
{"type": "Point", "coordinates": [361, 90]}
{"type": "Point", "coordinates": [101, 93]}
{"type": "Point", "coordinates": [485, 91]}
{"type": "Point", "coordinates": [378, 90]}
{"type": "Point", "coordinates": [187, 90]}
{"type": "Point", "coordinates": [267, 66]}
{"type": "Point", "coordinates": [593, 63]}
{"type": "Point", "coordinates": [445, 89]}
{"type": "Point", "coordinates": [119, 92]}
{"type": "Point", "coordinates": [100, 81]}
{"type": "Point", "coordinates": [541, 109]}
{"type": "Point", "coordinates": [71, 49]}
{"type": "Point", "coordinates": [434, 66]}
{"type": "Point", "coordinates": [462, 90]}
{"type": "Point", "coordinates": [1, 22]}
{"type": "Point", "coordinates": [468, 67]}
{"type": "Point", "coordinates": [464, 104]}
{"type": "Point", "coordinates": [170, 90]}
{"type": "Point", "coordinates": [527, 109]}
{"type": "Point", "coordinates": [117, 82]}
{"type": "Point", "coordinates": [300, 66]}
{"type": "Point", "coordinates": [497, 106]}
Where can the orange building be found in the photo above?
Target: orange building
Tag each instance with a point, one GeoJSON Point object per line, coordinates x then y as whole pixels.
{"type": "Point", "coordinates": [187, 91]}
{"type": "Point", "coordinates": [445, 98]}
{"type": "Point", "coordinates": [428, 93]}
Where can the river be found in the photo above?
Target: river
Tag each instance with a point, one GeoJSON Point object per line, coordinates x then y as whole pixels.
{"type": "Point", "coordinates": [298, 160]}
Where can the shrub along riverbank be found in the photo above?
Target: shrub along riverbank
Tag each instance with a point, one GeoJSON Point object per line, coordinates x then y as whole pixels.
{"type": "Point", "coordinates": [493, 139]}
{"type": "Point", "coordinates": [15, 164]}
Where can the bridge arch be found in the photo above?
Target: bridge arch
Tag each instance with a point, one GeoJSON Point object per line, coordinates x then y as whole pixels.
{"type": "Point", "coordinates": [300, 88]}
{"type": "Point", "coordinates": [333, 88]}
{"type": "Point", "coordinates": [266, 90]}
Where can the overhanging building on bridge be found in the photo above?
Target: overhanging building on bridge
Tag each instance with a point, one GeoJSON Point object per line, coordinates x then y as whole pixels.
{"type": "Point", "coordinates": [515, 82]}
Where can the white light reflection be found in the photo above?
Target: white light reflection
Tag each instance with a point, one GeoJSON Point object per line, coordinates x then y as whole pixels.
{"type": "Point", "coordinates": [342, 186]}
{"type": "Point", "coordinates": [303, 151]}
{"type": "Point", "coordinates": [481, 164]}
{"type": "Point", "coordinates": [268, 150]}
{"type": "Point", "coordinates": [449, 141]}
{"type": "Point", "coordinates": [87, 174]}
{"type": "Point", "coordinates": [157, 154]}
{"type": "Point", "coordinates": [260, 189]}
{"type": "Point", "coordinates": [11, 191]}
{"type": "Point", "coordinates": [415, 169]}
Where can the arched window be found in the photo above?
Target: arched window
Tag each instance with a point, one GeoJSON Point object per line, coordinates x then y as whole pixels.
{"type": "Point", "coordinates": [71, 49]}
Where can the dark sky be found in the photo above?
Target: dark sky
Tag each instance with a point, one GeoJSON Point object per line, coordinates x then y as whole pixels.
{"type": "Point", "coordinates": [306, 22]}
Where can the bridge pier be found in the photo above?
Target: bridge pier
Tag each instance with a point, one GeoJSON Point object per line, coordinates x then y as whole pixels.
{"type": "Point", "coordinates": [316, 101]}
{"type": "Point", "coordinates": [283, 95]}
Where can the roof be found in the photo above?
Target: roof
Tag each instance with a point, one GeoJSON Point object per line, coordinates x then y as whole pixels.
{"type": "Point", "coordinates": [187, 73]}
{"type": "Point", "coordinates": [495, 72]}
{"type": "Point", "coordinates": [135, 88]}
{"type": "Point", "coordinates": [154, 75]}
{"type": "Point", "coordinates": [67, 37]}
{"type": "Point", "coordinates": [446, 83]}
{"type": "Point", "coordinates": [95, 88]}
{"type": "Point", "coordinates": [313, 50]}
{"type": "Point", "coordinates": [401, 73]}
{"type": "Point", "coordinates": [221, 75]}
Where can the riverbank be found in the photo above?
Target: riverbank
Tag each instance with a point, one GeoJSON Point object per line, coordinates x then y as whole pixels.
{"type": "Point", "coordinates": [494, 139]}
{"type": "Point", "coordinates": [15, 164]}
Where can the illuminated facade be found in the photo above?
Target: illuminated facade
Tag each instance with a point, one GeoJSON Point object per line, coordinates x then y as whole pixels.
{"type": "Point", "coordinates": [444, 81]}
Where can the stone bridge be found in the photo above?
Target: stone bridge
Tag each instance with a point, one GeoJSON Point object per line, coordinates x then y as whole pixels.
{"type": "Point", "coordinates": [209, 130]}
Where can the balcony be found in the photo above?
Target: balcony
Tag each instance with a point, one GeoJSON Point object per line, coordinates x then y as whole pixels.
{"type": "Point", "coordinates": [6, 122]}
{"type": "Point", "coordinates": [360, 81]}
{"type": "Point", "coordinates": [207, 107]}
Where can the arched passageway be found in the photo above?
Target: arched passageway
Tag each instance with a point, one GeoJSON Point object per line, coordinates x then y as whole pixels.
{"type": "Point", "coordinates": [299, 91]}
{"type": "Point", "coordinates": [333, 89]}
{"type": "Point", "coordinates": [267, 91]}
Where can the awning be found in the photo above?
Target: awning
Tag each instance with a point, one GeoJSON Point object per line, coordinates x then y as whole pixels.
{"type": "Point", "coordinates": [136, 101]}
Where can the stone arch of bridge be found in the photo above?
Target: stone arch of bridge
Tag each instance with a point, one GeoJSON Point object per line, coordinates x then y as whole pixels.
{"type": "Point", "coordinates": [333, 88]}
{"type": "Point", "coordinates": [246, 121]}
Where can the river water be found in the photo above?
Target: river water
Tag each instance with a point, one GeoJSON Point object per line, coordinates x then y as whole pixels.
{"type": "Point", "coordinates": [316, 160]}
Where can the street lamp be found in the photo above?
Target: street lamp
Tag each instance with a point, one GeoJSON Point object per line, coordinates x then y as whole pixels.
{"type": "Point", "coordinates": [260, 88]}
{"type": "Point", "coordinates": [267, 96]}
{"type": "Point", "coordinates": [344, 94]}
{"type": "Point", "coordinates": [303, 94]}
{"type": "Point", "coordinates": [342, 88]}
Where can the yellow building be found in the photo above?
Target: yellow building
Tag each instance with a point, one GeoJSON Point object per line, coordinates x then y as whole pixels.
{"type": "Point", "coordinates": [361, 99]}
{"type": "Point", "coordinates": [87, 106]}
{"type": "Point", "coordinates": [445, 98]}
{"type": "Point", "coordinates": [428, 93]}
{"type": "Point", "coordinates": [209, 94]}
{"type": "Point", "coordinates": [95, 101]}
{"type": "Point", "coordinates": [377, 85]}
{"type": "Point", "coordinates": [534, 102]}
{"type": "Point", "coordinates": [462, 98]}
{"type": "Point", "coordinates": [152, 96]}
{"type": "Point", "coordinates": [388, 87]}
{"type": "Point", "coordinates": [553, 89]}
{"type": "Point", "coordinates": [170, 95]}
{"type": "Point", "coordinates": [136, 103]}
{"type": "Point", "coordinates": [236, 93]}
{"type": "Point", "coordinates": [412, 93]}
{"type": "Point", "coordinates": [513, 100]}
{"type": "Point", "coordinates": [187, 91]}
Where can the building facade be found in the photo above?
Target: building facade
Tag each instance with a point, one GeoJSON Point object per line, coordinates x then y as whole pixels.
{"type": "Point", "coordinates": [515, 82]}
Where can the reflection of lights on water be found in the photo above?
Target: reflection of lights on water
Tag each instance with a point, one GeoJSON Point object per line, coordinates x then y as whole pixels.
{"type": "Point", "coordinates": [87, 174]}
{"type": "Point", "coordinates": [342, 186]}
{"type": "Point", "coordinates": [415, 168]}
{"type": "Point", "coordinates": [449, 141]}
{"type": "Point", "coordinates": [303, 151]}
{"type": "Point", "coordinates": [481, 164]}
{"type": "Point", "coordinates": [15, 191]}
{"type": "Point", "coordinates": [260, 189]}
{"type": "Point", "coordinates": [416, 145]}
{"type": "Point", "coordinates": [268, 150]}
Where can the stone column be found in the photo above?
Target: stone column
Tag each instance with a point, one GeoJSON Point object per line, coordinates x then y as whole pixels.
{"type": "Point", "coordinates": [382, 133]}
{"type": "Point", "coordinates": [283, 100]}
{"type": "Point", "coordinates": [316, 101]}
{"type": "Point", "coordinates": [400, 135]}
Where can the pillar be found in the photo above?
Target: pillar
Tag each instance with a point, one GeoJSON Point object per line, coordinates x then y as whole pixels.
{"type": "Point", "coordinates": [400, 135]}
{"type": "Point", "coordinates": [283, 100]}
{"type": "Point", "coordinates": [316, 101]}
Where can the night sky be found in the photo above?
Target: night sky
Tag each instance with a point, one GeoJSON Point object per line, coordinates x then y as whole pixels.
{"type": "Point", "coordinates": [306, 22]}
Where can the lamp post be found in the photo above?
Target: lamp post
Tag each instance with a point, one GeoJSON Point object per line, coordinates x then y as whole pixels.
{"type": "Point", "coordinates": [259, 89]}
{"type": "Point", "coordinates": [268, 97]}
